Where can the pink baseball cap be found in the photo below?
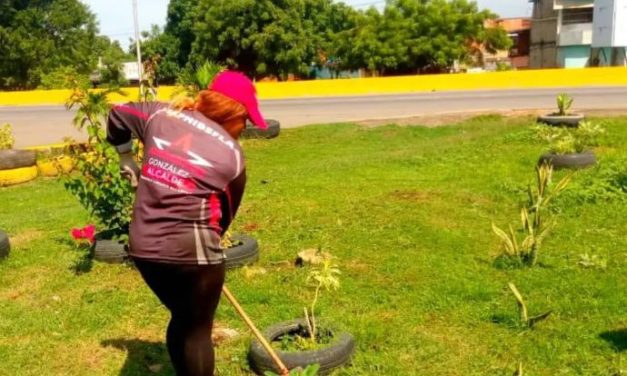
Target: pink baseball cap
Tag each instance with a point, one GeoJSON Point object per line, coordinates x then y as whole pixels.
{"type": "Point", "coordinates": [240, 88]}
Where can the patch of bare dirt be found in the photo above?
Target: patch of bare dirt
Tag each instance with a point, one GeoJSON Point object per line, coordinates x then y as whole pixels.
{"type": "Point", "coordinates": [25, 237]}
{"type": "Point", "coordinates": [437, 120]}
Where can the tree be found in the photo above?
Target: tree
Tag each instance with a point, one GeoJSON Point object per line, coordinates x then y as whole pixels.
{"type": "Point", "coordinates": [180, 28]}
{"type": "Point", "coordinates": [162, 50]}
{"type": "Point", "coordinates": [110, 58]}
{"type": "Point", "coordinates": [265, 37]}
{"type": "Point", "coordinates": [415, 36]}
{"type": "Point", "coordinates": [39, 37]}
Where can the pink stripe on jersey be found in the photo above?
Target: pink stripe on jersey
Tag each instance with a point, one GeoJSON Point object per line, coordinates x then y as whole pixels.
{"type": "Point", "coordinates": [215, 211]}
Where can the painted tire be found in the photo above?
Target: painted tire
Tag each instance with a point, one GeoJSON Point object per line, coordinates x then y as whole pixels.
{"type": "Point", "coordinates": [51, 168]}
{"type": "Point", "coordinates": [561, 121]}
{"type": "Point", "coordinates": [329, 358]}
{"type": "Point", "coordinates": [572, 161]}
{"type": "Point", "coordinates": [273, 130]}
{"type": "Point", "coordinates": [243, 254]}
{"type": "Point", "coordinates": [5, 246]}
{"type": "Point", "coordinates": [12, 159]}
{"type": "Point", "coordinates": [17, 175]}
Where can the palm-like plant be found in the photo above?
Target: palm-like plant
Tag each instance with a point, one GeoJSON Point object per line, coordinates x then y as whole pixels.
{"type": "Point", "coordinates": [532, 218]}
{"type": "Point", "coordinates": [192, 81]}
{"type": "Point", "coordinates": [564, 102]}
{"type": "Point", "coordinates": [91, 108]}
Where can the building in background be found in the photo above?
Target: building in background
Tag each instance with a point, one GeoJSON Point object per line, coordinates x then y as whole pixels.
{"type": "Point", "coordinates": [562, 33]}
{"type": "Point", "coordinates": [517, 57]}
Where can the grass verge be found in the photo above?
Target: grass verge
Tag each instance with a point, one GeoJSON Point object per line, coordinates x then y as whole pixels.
{"type": "Point", "coordinates": [407, 211]}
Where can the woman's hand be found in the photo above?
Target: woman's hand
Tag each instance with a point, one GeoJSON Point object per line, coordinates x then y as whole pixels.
{"type": "Point", "coordinates": [129, 169]}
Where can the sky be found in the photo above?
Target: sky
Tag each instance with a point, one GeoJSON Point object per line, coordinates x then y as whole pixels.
{"type": "Point", "coordinates": [115, 17]}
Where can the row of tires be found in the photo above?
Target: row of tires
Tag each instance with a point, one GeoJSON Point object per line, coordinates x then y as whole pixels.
{"type": "Point", "coordinates": [21, 166]}
{"type": "Point", "coordinates": [247, 252]}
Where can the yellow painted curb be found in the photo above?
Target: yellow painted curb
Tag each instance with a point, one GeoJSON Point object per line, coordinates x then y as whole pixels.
{"type": "Point", "coordinates": [17, 175]}
{"type": "Point", "coordinates": [55, 167]}
{"type": "Point", "coordinates": [524, 79]}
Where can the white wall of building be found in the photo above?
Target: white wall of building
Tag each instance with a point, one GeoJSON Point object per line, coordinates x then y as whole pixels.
{"type": "Point", "coordinates": [610, 23]}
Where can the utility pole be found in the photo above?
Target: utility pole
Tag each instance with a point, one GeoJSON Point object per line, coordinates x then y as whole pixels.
{"type": "Point", "coordinates": [137, 46]}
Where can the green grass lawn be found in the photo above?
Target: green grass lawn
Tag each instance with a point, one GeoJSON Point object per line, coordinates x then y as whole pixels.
{"type": "Point", "coordinates": [408, 213]}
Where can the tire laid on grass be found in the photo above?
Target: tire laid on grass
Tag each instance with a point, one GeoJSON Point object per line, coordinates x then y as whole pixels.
{"type": "Point", "coordinates": [573, 161]}
{"type": "Point", "coordinates": [243, 254]}
{"type": "Point", "coordinates": [12, 159]}
{"type": "Point", "coordinates": [572, 120]}
{"type": "Point", "coordinates": [338, 352]}
{"type": "Point", "coordinates": [17, 175]}
{"type": "Point", "coordinates": [5, 246]}
{"type": "Point", "coordinates": [110, 251]}
{"type": "Point", "coordinates": [251, 131]}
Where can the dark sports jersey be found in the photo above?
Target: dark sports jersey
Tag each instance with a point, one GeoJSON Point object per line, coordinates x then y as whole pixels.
{"type": "Point", "coordinates": [191, 184]}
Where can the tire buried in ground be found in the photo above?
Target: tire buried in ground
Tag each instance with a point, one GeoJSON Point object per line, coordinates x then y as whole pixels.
{"type": "Point", "coordinates": [110, 251]}
{"type": "Point", "coordinates": [251, 131]}
{"type": "Point", "coordinates": [571, 121]}
{"type": "Point", "coordinates": [5, 245]}
{"type": "Point", "coordinates": [573, 161]}
{"type": "Point", "coordinates": [245, 253]}
{"type": "Point", "coordinates": [336, 354]}
{"type": "Point", "coordinates": [12, 159]}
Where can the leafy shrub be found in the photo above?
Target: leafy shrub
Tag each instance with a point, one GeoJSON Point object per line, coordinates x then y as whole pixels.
{"type": "Point", "coordinates": [603, 183]}
{"type": "Point", "coordinates": [570, 140]}
{"type": "Point", "coordinates": [99, 186]}
{"type": "Point", "coordinates": [6, 137]}
{"type": "Point", "coordinates": [503, 66]}
{"type": "Point", "coordinates": [63, 78]}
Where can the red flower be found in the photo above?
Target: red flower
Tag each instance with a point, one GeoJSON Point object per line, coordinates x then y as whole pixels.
{"type": "Point", "coordinates": [86, 233]}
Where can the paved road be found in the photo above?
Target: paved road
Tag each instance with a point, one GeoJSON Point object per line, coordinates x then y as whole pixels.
{"type": "Point", "coordinates": [50, 124]}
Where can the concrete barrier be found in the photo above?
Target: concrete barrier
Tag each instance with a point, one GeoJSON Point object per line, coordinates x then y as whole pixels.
{"type": "Point", "coordinates": [546, 78]}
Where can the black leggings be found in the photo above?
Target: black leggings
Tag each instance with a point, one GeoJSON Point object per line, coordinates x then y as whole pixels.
{"type": "Point", "coordinates": [191, 293]}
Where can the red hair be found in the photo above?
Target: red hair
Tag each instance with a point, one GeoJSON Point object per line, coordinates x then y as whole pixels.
{"type": "Point", "coordinates": [230, 114]}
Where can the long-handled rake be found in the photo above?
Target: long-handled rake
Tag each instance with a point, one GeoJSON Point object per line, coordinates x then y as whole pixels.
{"type": "Point", "coordinates": [282, 369]}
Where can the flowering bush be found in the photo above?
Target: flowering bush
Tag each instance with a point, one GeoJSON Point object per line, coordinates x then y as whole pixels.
{"type": "Point", "coordinates": [98, 185]}
{"type": "Point", "coordinates": [86, 234]}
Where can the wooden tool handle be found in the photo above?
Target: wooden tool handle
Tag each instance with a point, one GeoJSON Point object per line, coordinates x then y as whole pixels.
{"type": "Point", "coordinates": [282, 369]}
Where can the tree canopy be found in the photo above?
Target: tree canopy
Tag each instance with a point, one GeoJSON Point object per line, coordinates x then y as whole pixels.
{"type": "Point", "coordinates": [41, 41]}
{"type": "Point", "coordinates": [38, 37]}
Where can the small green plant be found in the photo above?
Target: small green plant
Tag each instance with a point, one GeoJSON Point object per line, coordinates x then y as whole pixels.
{"type": "Point", "coordinates": [571, 140]}
{"type": "Point", "coordinates": [525, 320]}
{"type": "Point", "coordinates": [99, 186]}
{"type": "Point", "coordinates": [564, 102]}
{"type": "Point", "coordinates": [533, 222]}
{"type": "Point", "coordinates": [6, 137]}
{"type": "Point", "coordinates": [147, 89]}
{"type": "Point", "coordinates": [310, 370]}
{"type": "Point", "coordinates": [324, 277]}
